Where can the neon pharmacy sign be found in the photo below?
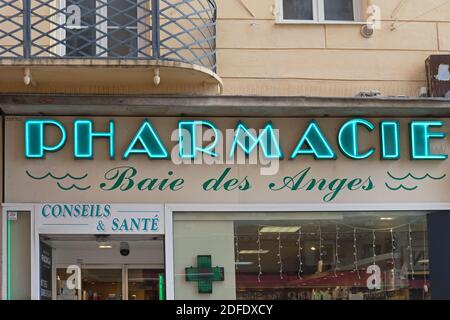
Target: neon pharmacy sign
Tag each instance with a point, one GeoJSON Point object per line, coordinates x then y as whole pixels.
{"type": "Point", "coordinates": [312, 142]}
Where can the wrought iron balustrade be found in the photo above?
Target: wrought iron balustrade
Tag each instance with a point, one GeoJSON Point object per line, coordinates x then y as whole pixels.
{"type": "Point", "coordinates": [171, 30]}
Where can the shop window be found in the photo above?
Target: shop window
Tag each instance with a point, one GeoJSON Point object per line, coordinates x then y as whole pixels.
{"type": "Point", "coordinates": [306, 256]}
{"type": "Point", "coordinates": [320, 11]}
{"type": "Point", "coordinates": [332, 260]}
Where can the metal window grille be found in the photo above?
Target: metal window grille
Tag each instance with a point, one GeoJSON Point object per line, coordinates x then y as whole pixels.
{"type": "Point", "coordinates": [174, 30]}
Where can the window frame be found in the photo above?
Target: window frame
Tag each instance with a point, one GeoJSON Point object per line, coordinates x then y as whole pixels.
{"type": "Point", "coordinates": [319, 14]}
{"type": "Point", "coordinates": [102, 27]}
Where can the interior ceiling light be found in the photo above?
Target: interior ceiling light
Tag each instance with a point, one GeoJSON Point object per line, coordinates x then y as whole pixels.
{"type": "Point", "coordinates": [253, 251]}
{"type": "Point", "coordinates": [423, 261]}
{"type": "Point", "coordinates": [279, 229]}
{"type": "Point", "coordinates": [243, 263]}
{"type": "Point", "coordinates": [104, 245]}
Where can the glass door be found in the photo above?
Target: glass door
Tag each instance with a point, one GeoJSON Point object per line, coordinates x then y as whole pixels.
{"type": "Point", "coordinates": [98, 282]}
{"type": "Point", "coordinates": [66, 283]}
{"type": "Point", "coordinates": [145, 283]}
{"type": "Point", "coordinates": [111, 282]}
{"type": "Point", "coordinates": [101, 283]}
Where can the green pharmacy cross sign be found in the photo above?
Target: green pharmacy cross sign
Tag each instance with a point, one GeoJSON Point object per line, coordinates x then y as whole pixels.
{"type": "Point", "coordinates": [204, 274]}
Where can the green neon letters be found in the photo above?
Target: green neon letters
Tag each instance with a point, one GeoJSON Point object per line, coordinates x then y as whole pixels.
{"type": "Point", "coordinates": [187, 137]}
{"type": "Point", "coordinates": [316, 143]}
{"type": "Point", "coordinates": [35, 146]}
{"type": "Point", "coordinates": [348, 139]}
{"type": "Point", "coordinates": [420, 140]}
{"type": "Point", "coordinates": [247, 141]}
{"type": "Point", "coordinates": [83, 136]}
{"type": "Point", "coordinates": [149, 141]}
{"type": "Point", "coordinates": [146, 140]}
{"type": "Point", "coordinates": [390, 140]}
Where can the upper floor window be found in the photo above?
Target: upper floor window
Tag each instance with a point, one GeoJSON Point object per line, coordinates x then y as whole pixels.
{"type": "Point", "coordinates": [108, 28]}
{"type": "Point", "coordinates": [320, 11]}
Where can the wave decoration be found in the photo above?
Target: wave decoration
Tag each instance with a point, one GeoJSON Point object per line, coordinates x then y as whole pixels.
{"type": "Point", "coordinates": [73, 186]}
{"type": "Point", "coordinates": [401, 187]}
{"type": "Point", "coordinates": [410, 175]}
{"type": "Point", "coordinates": [62, 178]}
{"type": "Point", "coordinates": [51, 175]}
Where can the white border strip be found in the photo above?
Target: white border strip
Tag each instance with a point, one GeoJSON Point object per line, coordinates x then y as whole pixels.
{"type": "Point", "coordinates": [285, 207]}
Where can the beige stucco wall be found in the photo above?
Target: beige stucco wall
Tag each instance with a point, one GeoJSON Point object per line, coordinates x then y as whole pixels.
{"type": "Point", "coordinates": [257, 56]}
{"type": "Point", "coordinates": [215, 238]}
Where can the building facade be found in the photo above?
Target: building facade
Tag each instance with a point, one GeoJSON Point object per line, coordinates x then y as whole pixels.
{"type": "Point", "coordinates": [227, 149]}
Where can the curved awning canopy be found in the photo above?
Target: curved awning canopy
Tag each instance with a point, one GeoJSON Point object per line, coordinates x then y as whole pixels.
{"type": "Point", "coordinates": [106, 76]}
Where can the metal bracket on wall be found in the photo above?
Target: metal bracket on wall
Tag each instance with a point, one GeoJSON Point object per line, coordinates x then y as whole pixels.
{"type": "Point", "coordinates": [394, 24]}
{"type": "Point", "coordinates": [397, 9]}
{"type": "Point", "coordinates": [156, 77]}
{"type": "Point", "coordinates": [242, 2]}
{"type": "Point", "coordinates": [28, 77]}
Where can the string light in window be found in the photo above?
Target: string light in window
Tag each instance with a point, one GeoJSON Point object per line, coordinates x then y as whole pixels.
{"type": "Point", "coordinates": [393, 247]}
{"type": "Point", "coordinates": [258, 242]}
{"type": "Point", "coordinates": [280, 260]}
{"type": "Point", "coordinates": [299, 253]}
{"type": "Point", "coordinates": [374, 247]}
{"type": "Point", "coordinates": [320, 244]}
{"type": "Point", "coordinates": [411, 263]}
{"type": "Point", "coordinates": [355, 253]}
{"type": "Point", "coordinates": [425, 285]}
{"type": "Point", "coordinates": [337, 262]}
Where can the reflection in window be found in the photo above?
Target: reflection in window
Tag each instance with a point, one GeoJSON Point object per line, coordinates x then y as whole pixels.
{"type": "Point", "coordinates": [101, 29]}
{"type": "Point", "coordinates": [122, 28]}
{"type": "Point", "coordinates": [357, 257]}
{"type": "Point", "coordinates": [298, 9]}
{"type": "Point", "coordinates": [321, 10]}
{"type": "Point", "coordinates": [63, 290]}
{"type": "Point", "coordinates": [339, 10]}
{"type": "Point", "coordinates": [80, 30]}
{"type": "Point", "coordinates": [101, 284]}
{"type": "Point", "coordinates": [145, 284]}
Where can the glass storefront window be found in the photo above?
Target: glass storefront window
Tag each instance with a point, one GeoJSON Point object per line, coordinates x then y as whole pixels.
{"type": "Point", "coordinates": [320, 260]}
{"type": "Point", "coordinates": [309, 256]}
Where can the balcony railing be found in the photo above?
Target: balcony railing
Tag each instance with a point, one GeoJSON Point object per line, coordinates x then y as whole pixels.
{"type": "Point", "coordinates": [167, 30]}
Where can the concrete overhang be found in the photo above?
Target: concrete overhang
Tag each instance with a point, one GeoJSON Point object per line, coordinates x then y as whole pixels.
{"type": "Point", "coordinates": [105, 76]}
{"type": "Point", "coordinates": [222, 106]}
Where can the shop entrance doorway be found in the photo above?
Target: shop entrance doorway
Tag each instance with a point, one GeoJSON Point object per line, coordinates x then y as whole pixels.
{"type": "Point", "coordinates": [93, 267]}
{"type": "Point", "coordinates": [103, 251]}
